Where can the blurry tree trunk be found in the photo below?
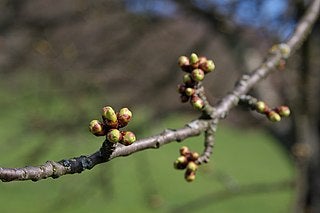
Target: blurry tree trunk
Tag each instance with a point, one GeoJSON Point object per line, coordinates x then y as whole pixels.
{"type": "Point", "coordinates": [306, 128]}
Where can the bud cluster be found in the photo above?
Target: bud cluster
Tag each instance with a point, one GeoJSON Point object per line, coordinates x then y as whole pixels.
{"type": "Point", "coordinates": [196, 68]}
{"type": "Point", "coordinates": [274, 114]}
{"type": "Point", "coordinates": [187, 160]}
{"type": "Point", "coordinates": [110, 125]}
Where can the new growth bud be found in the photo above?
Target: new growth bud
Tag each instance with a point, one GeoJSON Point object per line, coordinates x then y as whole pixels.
{"type": "Point", "coordinates": [96, 128]}
{"type": "Point", "coordinates": [283, 111]}
{"type": "Point", "coordinates": [274, 116]}
{"type": "Point", "coordinates": [184, 150]}
{"type": "Point", "coordinates": [197, 75]}
{"type": "Point", "coordinates": [128, 138]}
{"type": "Point", "coordinates": [114, 135]}
{"type": "Point", "coordinates": [190, 176]}
{"type": "Point", "coordinates": [193, 59]}
{"type": "Point", "coordinates": [192, 166]}
{"type": "Point", "coordinates": [190, 91]}
{"type": "Point", "coordinates": [180, 163]}
{"type": "Point", "coordinates": [260, 106]}
{"type": "Point", "coordinates": [183, 61]}
{"type": "Point", "coordinates": [208, 66]}
{"type": "Point", "coordinates": [124, 117]}
{"type": "Point", "coordinates": [197, 103]}
{"type": "Point", "coordinates": [109, 116]}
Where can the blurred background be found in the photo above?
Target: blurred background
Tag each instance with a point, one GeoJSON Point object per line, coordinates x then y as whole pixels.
{"type": "Point", "coordinates": [62, 61]}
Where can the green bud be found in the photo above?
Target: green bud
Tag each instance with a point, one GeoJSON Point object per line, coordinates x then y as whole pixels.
{"type": "Point", "coordinates": [128, 138]}
{"type": "Point", "coordinates": [184, 150]}
{"type": "Point", "coordinates": [192, 166]}
{"type": "Point", "coordinates": [187, 79]}
{"type": "Point", "coordinates": [197, 75]}
{"type": "Point", "coordinates": [260, 106]}
{"type": "Point", "coordinates": [193, 58]}
{"type": "Point", "coordinates": [283, 111]}
{"type": "Point", "coordinates": [208, 66]}
{"type": "Point", "coordinates": [190, 176]}
{"type": "Point", "coordinates": [124, 117]}
{"type": "Point", "coordinates": [190, 91]}
{"type": "Point", "coordinates": [109, 114]}
{"type": "Point", "coordinates": [180, 163]}
{"type": "Point", "coordinates": [197, 103]}
{"type": "Point", "coordinates": [96, 128]}
{"type": "Point", "coordinates": [183, 61]}
{"type": "Point", "coordinates": [274, 116]}
{"type": "Point", "coordinates": [114, 135]}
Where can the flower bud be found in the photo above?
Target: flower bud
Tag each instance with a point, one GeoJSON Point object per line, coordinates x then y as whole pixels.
{"type": "Point", "coordinates": [190, 91]}
{"type": "Point", "coordinates": [283, 111]}
{"type": "Point", "coordinates": [202, 60]}
{"type": "Point", "coordinates": [128, 138]}
{"type": "Point", "coordinates": [193, 59]}
{"type": "Point", "coordinates": [97, 128]}
{"type": "Point", "coordinates": [260, 106]}
{"type": "Point", "coordinates": [184, 150]}
{"type": "Point", "coordinates": [124, 117]}
{"type": "Point", "coordinates": [180, 163]}
{"type": "Point", "coordinates": [109, 114]}
{"type": "Point", "coordinates": [197, 102]}
{"type": "Point", "coordinates": [187, 79]}
{"type": "Point", "coordinates": [194, 156]}
{"type": "Point", "coordinates": [183, 61]}
{"type": "Point", "coordinates": [114, 135]}
{"type": "Point", "coordinates": [190, 176]}
{"type": "Point", "coordinates": [197, 75]}
{"type": "Point", "coordinates": [273, 116]}
{"type": "Point", "coordinates": [192, 166]}
{"type": "Point", "coordinates": [208, 66]}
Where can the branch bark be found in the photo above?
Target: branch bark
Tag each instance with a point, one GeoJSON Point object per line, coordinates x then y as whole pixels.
{"type": "Point", "coordinates": [108, 152]}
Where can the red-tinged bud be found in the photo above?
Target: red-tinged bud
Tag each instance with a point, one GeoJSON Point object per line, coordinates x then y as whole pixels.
{"type": "Point", "coordinates": [183, 61]}
{"type": "Point", "coordinates": [194, 59]}
{"type": "Point", "coordinates": [260, 107]}
{"type": "Point", "coordinates": [124, 117]}
{"type": "Point", "coordinates": [208, 66]}
{"type": "Point", "coordinates": [192, 166]}
{"type": "Point", "coordinates": [97, 128]}
{"type": "Point", "coordinates": [197, 103]}
{"type": "Point", "coordinates": [281, 64]}
{"type": "Point", "coordinates": [181, 88]}
{"type": "Point", "coordinates": [114, 135]}
{"type": "Point", "coordinates": [197, 75]}
{"type": "Point", "coordinates": [202, 60]}
{"type": "Point", "coordinates": [180, 163]}
{"type": "Point", "coordinates": [184, 98]}
{"type": "Point", "coordinates": [274, 116]}
{"type": "Point", "coordinates": [184, 150]}
{"type": "Point", "coordinates": [190, 91]}
{"type": "Point", "coordinates": [128, 138]}
{"type": "Point", "coordinates": [109, 114]}
{"type": "Point", "coordinates": [190, 176]}
{"type": "Point", "coordinates": [283, 111]}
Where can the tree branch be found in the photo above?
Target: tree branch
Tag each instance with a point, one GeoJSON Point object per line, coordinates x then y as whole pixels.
{"type": "Point", "coordinates": [108, 152]}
